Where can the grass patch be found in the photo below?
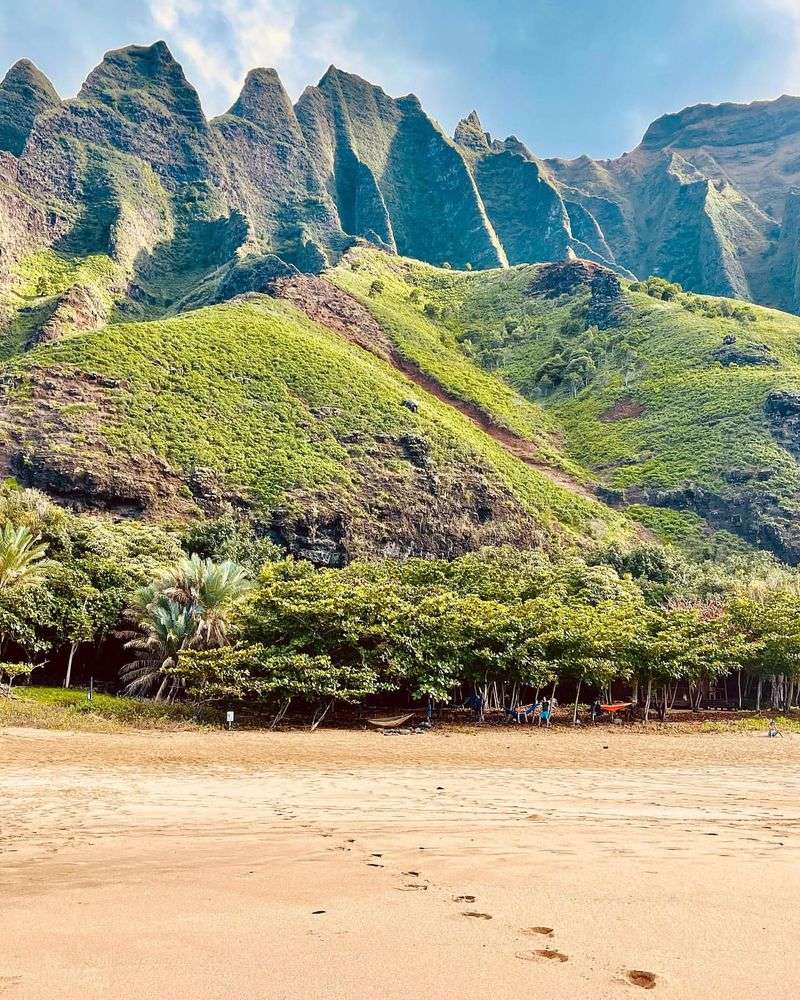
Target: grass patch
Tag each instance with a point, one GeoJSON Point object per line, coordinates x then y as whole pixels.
{"type": "Point", "coordinates": [57, 708]}
{"type": "Point", "coordinates": [753, 724]}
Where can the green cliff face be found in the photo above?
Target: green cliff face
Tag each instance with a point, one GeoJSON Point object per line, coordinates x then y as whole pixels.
{"type": "Point", "coordinates": [392, 171]}
{"type": "Point", "coordinates": [132, 169]}
{"type": "Point", "coordinates": [529, 215]}
{"type": "Point", "coordinates": [703, 199]}
{"type": "Point", "coordinates": [273, 177]}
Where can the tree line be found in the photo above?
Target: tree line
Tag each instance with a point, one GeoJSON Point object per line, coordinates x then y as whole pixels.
{"type": "Point", "coordinates": [218, 615]}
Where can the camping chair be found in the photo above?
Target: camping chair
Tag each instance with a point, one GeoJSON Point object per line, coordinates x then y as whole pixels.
{"type": "Point", "coordinates": [523, 713]}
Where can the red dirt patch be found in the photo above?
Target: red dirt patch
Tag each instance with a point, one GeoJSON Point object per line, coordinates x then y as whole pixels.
{"type": "Point", "coordinates": [328, 305]}
{"type": "Point", "coordinates": [625, 408]}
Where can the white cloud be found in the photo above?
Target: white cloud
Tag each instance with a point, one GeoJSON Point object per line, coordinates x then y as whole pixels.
{"type": "Point", "coordinates": [782, 18]}
{"type": "Point", "coordinates": [218, 41]}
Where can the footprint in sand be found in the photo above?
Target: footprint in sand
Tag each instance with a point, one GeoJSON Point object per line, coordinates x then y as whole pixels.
{"type": "Point", "coordinates": [480, 916]}
{"type": "Point", "coordinates": [637, 977]}
{"type": "Point", "coordinates": [544, 931]}
{"type": "Point", "coordinates": [463, 899]}
{"type": "Point", "coordinates": [549, 953]}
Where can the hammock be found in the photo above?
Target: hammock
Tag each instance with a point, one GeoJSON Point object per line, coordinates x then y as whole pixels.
{"type": "Point", "coordinates": [618, 706]}
{"type": "Point", "coordinates": [391, 722]}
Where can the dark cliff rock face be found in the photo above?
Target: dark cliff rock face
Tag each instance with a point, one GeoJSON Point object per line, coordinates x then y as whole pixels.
{"type": "Point", "coordinates": [274, 180]}
{"type": "Point", "coordinates": [392, 171]}
{"type": "Point", "coordinates": [528, 214]}
{"type": "Point", "coordinates": [607, 306]}
{"type": "Point", "coordinates": [139, 101]}
{"type": "Point", "coordinates": [755, 515]}
{"type": "Point", "coordinates": [744, 353]}
{"type": "Point", "coordinates": [785, 269]}
{"type": "Point", "coordinates": [24, 94]}
{"type": "Point", "coordinates": [782, 410]}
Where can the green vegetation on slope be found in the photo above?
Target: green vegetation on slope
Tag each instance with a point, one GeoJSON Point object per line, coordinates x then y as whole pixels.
{"type": "Point", "coordinates": [286, 411]}
{"type": "Point", "coordinates": [669, 397]}
{"type": "Point", "coordinates": [419, 307]}
{"type": "Point", "coordinates": [42, 278]}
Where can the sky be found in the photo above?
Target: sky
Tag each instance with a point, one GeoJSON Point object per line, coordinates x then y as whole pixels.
{"type": "Point", "coordinates": [565, 76]}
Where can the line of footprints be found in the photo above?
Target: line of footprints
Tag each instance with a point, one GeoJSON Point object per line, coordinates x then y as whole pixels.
{"type": "Point", "coordinates": [635, 977]}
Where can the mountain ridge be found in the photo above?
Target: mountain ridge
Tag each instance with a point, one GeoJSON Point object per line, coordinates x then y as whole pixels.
{"type": "Point", "coordinates": [182, 195]}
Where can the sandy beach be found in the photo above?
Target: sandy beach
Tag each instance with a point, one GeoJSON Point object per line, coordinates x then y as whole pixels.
{"type": "Point", "coordinates": [343, 864]}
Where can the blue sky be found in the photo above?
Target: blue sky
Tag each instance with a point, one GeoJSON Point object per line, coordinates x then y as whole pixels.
{"type": "Point", "coordinates": [584, 76]}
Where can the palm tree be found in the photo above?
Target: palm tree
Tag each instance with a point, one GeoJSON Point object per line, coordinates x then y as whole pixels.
{"type": "Point", "coordinates": [210, 587]}
{"type": "Point", "coordinates": [21, 555]}
{"type": "Point", "coordinates": [169, 627]}
{"type": "Point", "coordinates": [187, 607]}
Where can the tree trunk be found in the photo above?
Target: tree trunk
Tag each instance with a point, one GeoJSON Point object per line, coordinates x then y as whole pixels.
{"type": "Point", "coordinates": [72, 650]}
{"type": "Point", "coordinates": [647, 699]}
{"type": "Point", "coordinates": [739, 686]}
{"type": "Point", "coordinates": [758, 693]}
{"type": "Point", "coordinates": [280, 713]}
{"type": "Point", "coordinates": [577, 695]}
{"type": "Point", "coordinates": [319, 715]}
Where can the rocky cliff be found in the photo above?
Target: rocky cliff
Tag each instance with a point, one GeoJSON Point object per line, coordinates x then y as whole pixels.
{"type": "Point", "coordinates": [131, 169]}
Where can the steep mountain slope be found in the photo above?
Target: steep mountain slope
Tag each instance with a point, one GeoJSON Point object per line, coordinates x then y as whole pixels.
{"type": "Point", "coordinates": [685, 408]}
{"type": "Point", "coordinates": [393, 171]}
{"type": "Point", "coordinates": [702, 199]}
{"type": "Point", "coordinates": [525, 208]}
{"type": "Point", "coordinates": [131, 169]}
{"type": "Point", "coordinates": [327, 445]}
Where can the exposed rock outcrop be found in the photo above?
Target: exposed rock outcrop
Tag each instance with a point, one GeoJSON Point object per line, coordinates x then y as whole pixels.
{"type": "Point", "coordinates": [754, 514]}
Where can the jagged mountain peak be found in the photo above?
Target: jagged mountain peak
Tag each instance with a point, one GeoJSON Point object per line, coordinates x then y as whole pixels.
{"type": "Point", "coordinates": [24, 73]}
{"type": "Point", "coordinates": [262, 96]}
{"type": "Point", "coordinates": [148, 69]}
{"type": "Point", "coordinates": [25, 92]}
{"type": "Point", "coordinates": [353, 85]}
{"type": "Point", "coordinates": [470, 133]}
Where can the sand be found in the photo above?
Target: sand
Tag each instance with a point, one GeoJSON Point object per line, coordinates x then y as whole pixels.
{"type": "Point", "coordinates": [504, 864]}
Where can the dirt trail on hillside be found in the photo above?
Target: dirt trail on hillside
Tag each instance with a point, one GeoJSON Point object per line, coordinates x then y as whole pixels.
{"type": "Point", "coordinates": [344, 864]}
{"type": "Point", "coordinates": [330, 306]}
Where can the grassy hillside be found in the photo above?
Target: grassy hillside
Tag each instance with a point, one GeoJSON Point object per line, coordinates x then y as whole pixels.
{"type": "Point", "coordinates": [669, 404]}
{"type": "Point", "coordinates": [251, 404]}
{"type": "Point", "coordinates": [473, 408]}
